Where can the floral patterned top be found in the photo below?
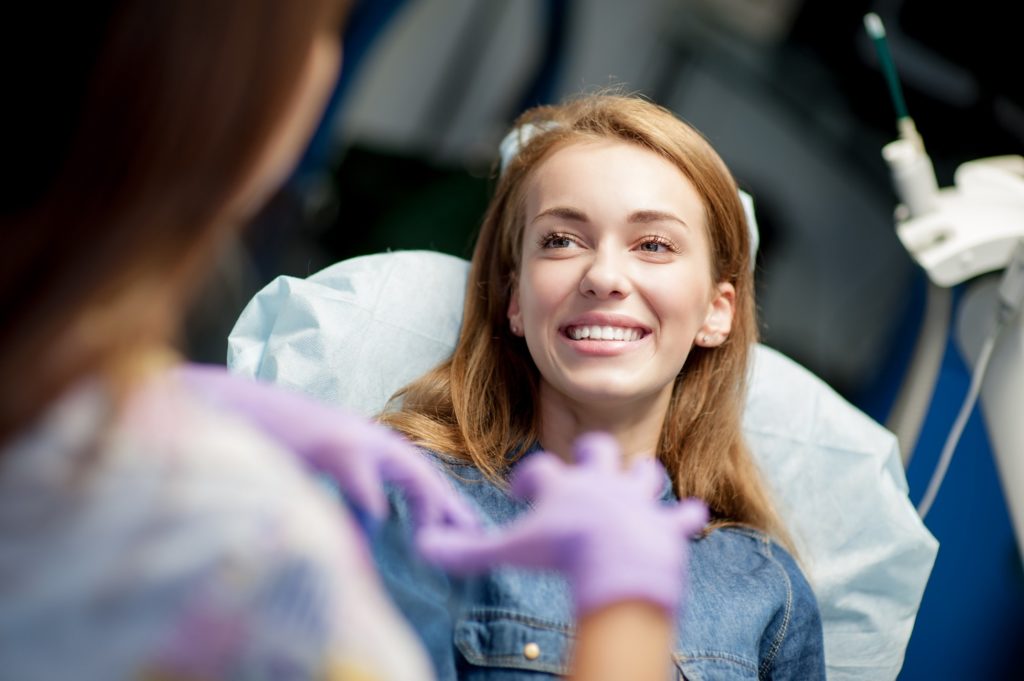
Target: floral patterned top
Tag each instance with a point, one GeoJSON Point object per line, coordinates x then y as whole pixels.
{"type": "Point", "coordinates": [163, 540]}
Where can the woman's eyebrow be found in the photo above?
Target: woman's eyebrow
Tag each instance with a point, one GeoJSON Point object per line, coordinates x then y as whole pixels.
{"type": "Point", "coordinates": [646, 216]}
{"type": "Point", "coordinates": [563, 213]}
{"type": "Point", "coordinates": [637, 217]}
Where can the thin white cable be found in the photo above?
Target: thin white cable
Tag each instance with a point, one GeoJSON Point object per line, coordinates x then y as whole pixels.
{"type": "Point", "coordinates": [977, 378]}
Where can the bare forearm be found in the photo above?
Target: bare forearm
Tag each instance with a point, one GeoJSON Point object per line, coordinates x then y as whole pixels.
{"type": "Point", "coordinates": [630, 640]}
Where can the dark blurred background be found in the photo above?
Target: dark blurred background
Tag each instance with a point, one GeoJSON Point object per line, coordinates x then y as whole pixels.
{"type": "Point", "coordinates": [790, 93]}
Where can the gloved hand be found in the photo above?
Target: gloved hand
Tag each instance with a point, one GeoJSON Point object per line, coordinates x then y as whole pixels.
{"type": "Point", "coordinates": [359, 455]}
{"type": "Point", "coordinates": [602, 527]}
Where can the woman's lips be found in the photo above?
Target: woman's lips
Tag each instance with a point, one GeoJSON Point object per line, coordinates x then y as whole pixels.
{"type": "Point", "coordinates": [604, 333]}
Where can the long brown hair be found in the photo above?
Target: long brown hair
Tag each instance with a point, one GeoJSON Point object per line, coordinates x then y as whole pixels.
{"type": "Point", "coordinates": [132, 148]}
{"type": "Point", "coordinates": [480, 404]}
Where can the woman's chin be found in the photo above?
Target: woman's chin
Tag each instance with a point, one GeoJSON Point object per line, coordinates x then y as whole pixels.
{"type": "Point", "coordinates": [612, 392]}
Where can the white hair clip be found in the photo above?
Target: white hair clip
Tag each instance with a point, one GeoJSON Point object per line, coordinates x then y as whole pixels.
{"type": "Point", "coordinates": [519, 137]}
{"type": "Point", "coordinates": [755, 234]}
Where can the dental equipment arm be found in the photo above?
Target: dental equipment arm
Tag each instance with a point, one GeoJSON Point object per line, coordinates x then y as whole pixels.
{"type": "Point", "coordinates": [956, 234]}
{"type": "Point", "coordinates": [357, 454]}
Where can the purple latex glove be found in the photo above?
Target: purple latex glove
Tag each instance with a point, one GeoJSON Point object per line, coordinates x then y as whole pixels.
{"type": "Point", "coordinates": [603, 527]}
{"type": "Point", "coordinates": [359, 455]}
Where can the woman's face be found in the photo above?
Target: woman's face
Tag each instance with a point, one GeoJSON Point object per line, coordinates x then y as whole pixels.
{"type": "Point", "coordinates": [615, 280]}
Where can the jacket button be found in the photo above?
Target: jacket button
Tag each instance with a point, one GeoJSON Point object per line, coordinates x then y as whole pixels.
{"type": "Point", "coordinates": [531, 651]}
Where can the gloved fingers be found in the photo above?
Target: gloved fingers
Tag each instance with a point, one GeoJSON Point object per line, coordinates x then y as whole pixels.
{"type": "Point", "coordinates": [649, 476]}
{"type": "Point", "coordinates": [433, 499]}
{"type": "Point", "coordinates": [534, 473]}
{"type": "Point", "coordinates": [358, 454]}
{"type": "Point", "coordinates": [690, 516]}
{"type": "Point", "coordinates": [359, 483]}
{"type": "Point", "coordinates": [457, 513]}
{"type": "Point", "coordinates": [471, 551]}
{"type": "Point", "coordinates": [598, 451]}
{"type": "Point", "coordinates": [445, 506]}
{"type": "Point", "coordinates": [297, 421]}
{"type": "Point", "coordinates": [214, 384]}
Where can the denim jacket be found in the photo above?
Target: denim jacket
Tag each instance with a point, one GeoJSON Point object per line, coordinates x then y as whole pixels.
{"type": "Point", "coordinates": [749, 611]}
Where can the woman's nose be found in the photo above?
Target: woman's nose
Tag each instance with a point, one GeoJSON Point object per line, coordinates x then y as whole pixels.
{"type": "Point", "coordinates": [605, 277]}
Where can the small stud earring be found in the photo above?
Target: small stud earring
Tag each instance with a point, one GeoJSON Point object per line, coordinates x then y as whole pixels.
{"type": "Point", "coordinates": [706, 339]}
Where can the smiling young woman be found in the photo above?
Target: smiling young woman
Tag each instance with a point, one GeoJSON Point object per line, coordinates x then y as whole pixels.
{"type": "Point", "coordinates": [611, 288]}
{"type": "Point", "coordinates": [482, 404]}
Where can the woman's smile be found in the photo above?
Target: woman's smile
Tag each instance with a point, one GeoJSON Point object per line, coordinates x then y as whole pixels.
{"type": "Point", "coordinates": [604, 334]}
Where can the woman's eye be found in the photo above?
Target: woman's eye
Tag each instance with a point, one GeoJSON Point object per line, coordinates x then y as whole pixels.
{"type": "Point", "coordinates": [557, 241]}
{"type": "Point", "coordinates": [656, 246]}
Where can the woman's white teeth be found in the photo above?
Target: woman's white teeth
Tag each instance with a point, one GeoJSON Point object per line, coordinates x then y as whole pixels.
{"type": "Point", "coordinates": [604, 333]}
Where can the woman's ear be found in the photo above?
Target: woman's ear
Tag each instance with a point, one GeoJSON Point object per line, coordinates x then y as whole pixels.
{"type": "Point", "coordinates": [515, 315]}
{"type": "Point", "coordinates": [718, 322]}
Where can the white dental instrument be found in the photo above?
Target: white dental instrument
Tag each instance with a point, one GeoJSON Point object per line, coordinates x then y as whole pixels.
{"type": "Point", "coordinates": [957, 234]}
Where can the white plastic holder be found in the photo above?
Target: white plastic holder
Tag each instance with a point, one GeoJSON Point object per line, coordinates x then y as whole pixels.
{"type": "Point", "coordinates": [960, 232]}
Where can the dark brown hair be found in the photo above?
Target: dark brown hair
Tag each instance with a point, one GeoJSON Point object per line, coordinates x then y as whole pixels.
{"type": "Point", "coordinates": [480, 404]}
{"type": "Point", "coordinates": [157, 114]}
